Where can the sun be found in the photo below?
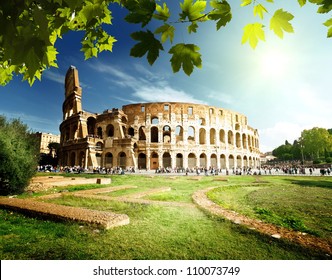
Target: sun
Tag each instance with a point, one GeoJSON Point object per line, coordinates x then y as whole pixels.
{"type": "Point", "coordinates": [274, 63]}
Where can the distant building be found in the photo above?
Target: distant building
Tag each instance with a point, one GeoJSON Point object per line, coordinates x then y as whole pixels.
{"type": "Point", "coordinates": [154, 135]}
{"type": "Point", "coordinates": [267, 157]}
{"type": "Point", "coordinates": [45, 139]}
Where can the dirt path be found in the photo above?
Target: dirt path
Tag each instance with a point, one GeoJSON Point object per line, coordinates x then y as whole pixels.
{"type": "Point", "coordinates": [201, 199]}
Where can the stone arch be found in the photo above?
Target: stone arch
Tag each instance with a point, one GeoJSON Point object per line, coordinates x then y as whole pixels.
{"type": "Point", "coordinates": [222, 136]}
{"type": "Point", "coordinates": [192, 160]}
{"type": "Point", "coordinates": [202, 160]}
{"type": "Point", "coordinates": [245, 161]}
{"type": "Point", "coordinates": [141, 133]}
{"type": "Point", "coordinates": [154, 135]}
{"type": "Point", "coordinates": [124, 119]}
{"type": "Point", "coordinates": [179, 160]}
{"type": "Point", "coordinates": [154, 120]}
{"type": "Point", "coordinates": [238, 140]}
{"type": "Point", "coordinates": [212, 136]}
{"type": "Point", "coordinates": [202, 136]}
{"type": "Point", "coordinates": [99, 146]}
{"type": "Point", "coordinates": [98, 158]}
{"type": "Point", "coordinates": [122, 160]}
{"type": "Point", "coordinates": [231, 161]}
{"type": "Point", "coordinates": [237, 126]}
{"type": "Point", "coordinates": [142, 161]}
{"type": "Point", "coordinates": [179, 133]}
{"type": "Point", "coordinates": [91, 125]}
{"type": "Point", "coordinates": [230, 137]}
{"type": "Point", "coordinates": [81, 159]}
{"type": "Point", "coordinates": [131, 131]}
{"type": "Point", "coordinates": [244, 141]}
{"type": "Point", "coordinates": [213, 161]}
{"type": "Point", "coordinates": [223, 161]}
{"type": "Point", "coordinates": [154, 161]}
{"type": "Point", "coordinates": [202, 121]}
{"type": "Point", "coordinates": [167, 134]}
{"type": "Point", "coordinates": [110, 130]}
{"type": "Point", "coordinates": [167, 161]}
{"type": "Point", "coordinates": [109, 160]}
{"type": "Point", "coordinates": [191, 134]}
{"type": "Point", "coordinates": [100, 132]}
{"type": "Point", "coordinates": [239, 161]}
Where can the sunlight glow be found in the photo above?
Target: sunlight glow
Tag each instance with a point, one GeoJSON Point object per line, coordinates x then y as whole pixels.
{"type": "Point", "coordinates": [274, 64]}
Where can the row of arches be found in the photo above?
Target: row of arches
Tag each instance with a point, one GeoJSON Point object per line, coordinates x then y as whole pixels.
{"type": "Point", "coordinates": [178, 160]}
{"type": "Point", "coordinates": [200, 136]}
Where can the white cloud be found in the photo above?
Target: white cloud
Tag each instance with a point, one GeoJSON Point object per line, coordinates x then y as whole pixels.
{"type": "Point", "coordinates": [145, 85]}
{"type": "Point", "coordinates": [273, 137]}
{"type": "Point", "coordinates": [160, 94]}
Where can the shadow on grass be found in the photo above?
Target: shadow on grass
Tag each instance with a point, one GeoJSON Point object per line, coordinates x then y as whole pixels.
{"type": "Point", "coordinates": [321, 183]}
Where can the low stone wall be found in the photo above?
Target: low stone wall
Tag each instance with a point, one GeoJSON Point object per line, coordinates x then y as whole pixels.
{"type": "Point", "coordinates": [101, 219]}
{"type": "Point", "coordinates": [43, 183]}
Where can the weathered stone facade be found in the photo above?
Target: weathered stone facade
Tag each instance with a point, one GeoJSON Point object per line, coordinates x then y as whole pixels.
{"type": "Point", "coordinates": [154, 135]}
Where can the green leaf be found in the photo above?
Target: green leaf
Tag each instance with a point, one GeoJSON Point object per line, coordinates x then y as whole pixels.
{"type": "Point", "coordinates": [259, 10]}
{"type": "Point", "coordinates": [328, 23]}
{"type": "Point", "coordinates": [280, 23]}
{"type": "Point", "coordinates": [246, 3]}
{"type": "Point", "coordinates": [192, 28]}
{"type": "Point", "coordinates": [149, 44]}
{"type": "Point", "coordinates": [140, 11]}
{"type": "Point", "coordinates": [185, 56]}
{"type": "Point", "coordinates": [192, 11]}
{"type": "Point", "coordinates": [253, 32]}
{"type": "Point", "coordinates": [325, 5]}
{"type": "Point", "coordinates": [162, 12]}
{"type": "Point", "coordinates": [167, 31]}
{"type": "Point", "coordinates": [221, 13]}
{"type": "Point", "coordinates": [302, 2]}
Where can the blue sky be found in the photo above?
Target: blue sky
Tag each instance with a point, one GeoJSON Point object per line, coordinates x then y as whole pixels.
{"type": "Point", "coordinates": [283, 86]}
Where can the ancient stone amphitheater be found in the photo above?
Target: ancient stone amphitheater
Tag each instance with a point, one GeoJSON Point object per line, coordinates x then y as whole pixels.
{"type": "Point", "coordinates": [163, 135]}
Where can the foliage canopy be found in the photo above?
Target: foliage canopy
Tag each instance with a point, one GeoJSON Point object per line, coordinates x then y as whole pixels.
{"type": "Point", "coordinates": [30, 29]}
{"type": "Point", "coordinates": [19, 156]}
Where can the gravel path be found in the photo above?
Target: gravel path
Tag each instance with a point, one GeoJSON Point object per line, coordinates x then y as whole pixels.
{"type": "Point", "coordinates": [201, 199]}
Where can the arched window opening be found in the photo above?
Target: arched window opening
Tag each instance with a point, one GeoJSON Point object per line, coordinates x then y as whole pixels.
{"type": "Point", "coordinates": [91, 125]}
{"type": "Point", "coordinates": [110, 130]}
{"type": "Point", "coordinates": [154, 134]}
{"type": "Point", "coordinates": [179, 133]}
{"type": "Point", "coordinates": [191, 134]}
{"type": "Point", "coordinates": [100, 132]}
{"type": "Point", "coordinates": [202, 136]}
{"type": "Point", "coordinates": [154, 120]}
{"type": "Point", "coordinates": [141, 133]}
{"type": "Point", "coordinates": [212, 136]}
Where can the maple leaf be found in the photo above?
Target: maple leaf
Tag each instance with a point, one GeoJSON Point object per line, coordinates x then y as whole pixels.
{"type": "Point", "coordinates": [280, 22]}
{"type": "Point", "coordinates": [149, 44]}
{"type": "Point", "coordinates": [185, 56]}
{"type": "Point", "coordinates": [252, 33]}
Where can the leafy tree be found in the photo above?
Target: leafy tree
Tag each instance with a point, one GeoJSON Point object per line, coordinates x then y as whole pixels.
{"type": "Point", "coordinates": [18, 156]}
{"type": "Point", "coordinates": [283, 152]}
{"type": "Point", "coordinates": [316, 142]}
{"type": "Point", "coordinates": [30, 29]}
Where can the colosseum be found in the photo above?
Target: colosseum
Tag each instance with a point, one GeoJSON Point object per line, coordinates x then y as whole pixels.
{"type": "Point", "coordinates": [152, 136]}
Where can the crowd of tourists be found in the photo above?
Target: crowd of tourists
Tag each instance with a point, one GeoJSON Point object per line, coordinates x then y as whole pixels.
{"type": "Point", "coordinates": [278, 168]}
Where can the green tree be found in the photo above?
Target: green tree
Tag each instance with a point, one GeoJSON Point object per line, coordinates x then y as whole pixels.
{"type": "Point", "coordinates": [30, 29]}
{"type": "Point", "coordinates": [283, 152]}
{"type": "Point", "coordinates": [19, 153]}
{"type": "Point", "coordinates": [316, 142]}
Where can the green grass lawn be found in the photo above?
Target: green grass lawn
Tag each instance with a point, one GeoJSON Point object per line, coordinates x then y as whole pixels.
{"type": "Point", "coordinates": [174, 232]}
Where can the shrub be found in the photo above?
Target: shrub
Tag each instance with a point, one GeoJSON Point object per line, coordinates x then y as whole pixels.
{"type": "Point", "coordinates": [18, 156]}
